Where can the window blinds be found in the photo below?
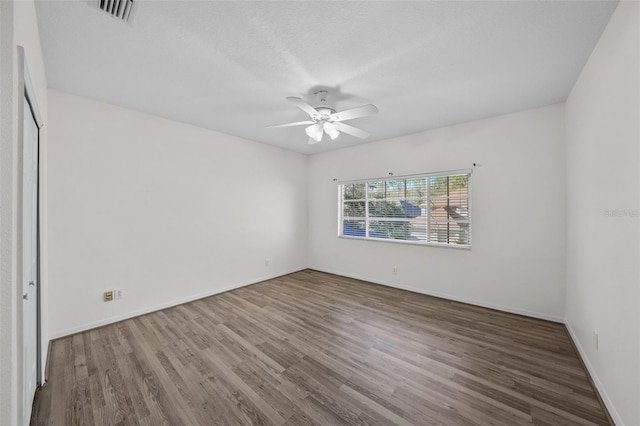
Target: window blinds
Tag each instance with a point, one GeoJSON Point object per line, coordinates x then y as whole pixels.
{"type": "Point", "coordinates": [430, 209]}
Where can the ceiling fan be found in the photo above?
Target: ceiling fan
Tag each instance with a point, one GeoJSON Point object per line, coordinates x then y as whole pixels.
{"type": "Point", "coordinates": [323, 119]}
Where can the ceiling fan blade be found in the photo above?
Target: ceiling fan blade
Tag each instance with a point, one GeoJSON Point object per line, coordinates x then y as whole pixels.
{"type": "Point", "coordinates": [354, 113]}
{"type": "Point", "coordinates": [304, 106]}
{"type": "Point", "coordinates": [297, 123]}
{"type": "Point", "coordinates": [350, 130]}
{"type": "Point", "coordinates": [313, 141]}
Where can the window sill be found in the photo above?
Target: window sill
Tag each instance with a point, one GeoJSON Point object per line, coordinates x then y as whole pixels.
{"type": "Point", "coordinates": [412, 243]}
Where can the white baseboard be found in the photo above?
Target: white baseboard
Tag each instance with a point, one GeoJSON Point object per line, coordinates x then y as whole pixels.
{"type": "Point", "coordinates": [136, 313]}
{"type": "Point", "coordinates": [594, 377]}
{"type": "Point", "coordinates": [449, 297]}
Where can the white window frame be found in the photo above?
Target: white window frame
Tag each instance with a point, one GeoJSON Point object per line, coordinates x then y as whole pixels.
{"type": "Point", "coordinates": [367, 219]}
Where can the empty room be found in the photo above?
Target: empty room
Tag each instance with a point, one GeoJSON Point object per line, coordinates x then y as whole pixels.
{"type": "Point", "coordinates": [319, 212]}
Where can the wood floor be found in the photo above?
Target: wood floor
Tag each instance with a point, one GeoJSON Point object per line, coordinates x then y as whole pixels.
{"type": "Point", "coordinates": [315, 348]}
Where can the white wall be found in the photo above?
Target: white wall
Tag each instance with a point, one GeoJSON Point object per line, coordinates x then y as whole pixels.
{"type": "Point", "coordinates": [18, 27]}
{"type": "Point", "coordinates": [8, 188]}
{"type": "Point", "coordinates": [164, 210]}
{"type": "Point", "coordinates": [603, 191]}
{"type": "Point", "coordinates": [518, 213]}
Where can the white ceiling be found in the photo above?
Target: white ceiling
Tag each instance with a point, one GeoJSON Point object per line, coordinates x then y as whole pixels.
{"type": "Point", "coordinates": [228, 65]}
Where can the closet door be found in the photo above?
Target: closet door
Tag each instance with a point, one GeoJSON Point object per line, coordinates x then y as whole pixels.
{"type": "Point", "coordinates": [30, 257]}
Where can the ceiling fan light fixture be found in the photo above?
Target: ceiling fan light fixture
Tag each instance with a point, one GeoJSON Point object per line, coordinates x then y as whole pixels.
{"type": "Point", "coordinates": [315, 132]}
{"type": "Point", "coordinates": [331, 130]}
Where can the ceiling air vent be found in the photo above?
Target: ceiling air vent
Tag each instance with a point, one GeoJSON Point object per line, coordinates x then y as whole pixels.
{"type": "Point", "coordinates": [119, 9]}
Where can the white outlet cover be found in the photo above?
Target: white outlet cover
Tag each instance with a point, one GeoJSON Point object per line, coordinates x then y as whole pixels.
{"type": "Point", "coordinates": [118, 293]}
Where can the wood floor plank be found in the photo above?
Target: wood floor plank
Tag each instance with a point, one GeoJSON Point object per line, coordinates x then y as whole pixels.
{"type": "Point", "coordinates": [312, 348]}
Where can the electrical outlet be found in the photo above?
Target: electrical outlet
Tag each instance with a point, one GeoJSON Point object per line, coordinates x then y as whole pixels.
{"type": "Point", "coordinates": [394, 270]}
{"type": "Point", "coordinates": [595, 339]}
{"type": "Point", "coordinates": [118, 293]}
{"type": "Point", "coordinates": [266, 263]}
{"type": "Point", "coordinates": [108, 296]}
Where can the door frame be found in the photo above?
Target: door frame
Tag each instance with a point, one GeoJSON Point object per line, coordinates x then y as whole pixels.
{"type": "Point", "coordinates": [26, 93]}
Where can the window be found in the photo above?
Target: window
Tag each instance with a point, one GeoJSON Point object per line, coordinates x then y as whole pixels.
{"type": "Point", "coordinates": [429, 209]}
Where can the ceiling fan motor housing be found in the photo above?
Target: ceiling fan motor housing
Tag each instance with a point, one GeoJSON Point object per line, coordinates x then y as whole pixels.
{"type": "Point", "coordinates": [324, 113]}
